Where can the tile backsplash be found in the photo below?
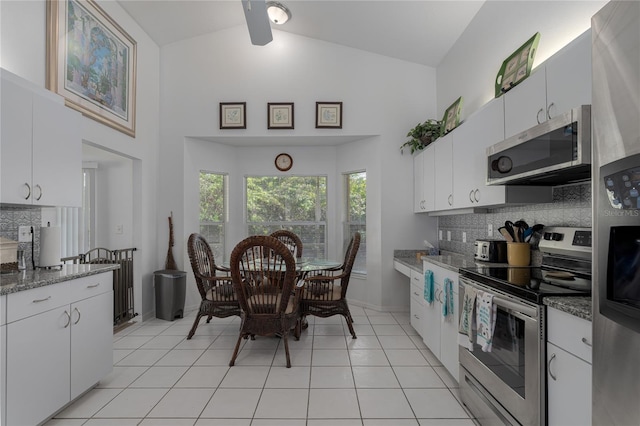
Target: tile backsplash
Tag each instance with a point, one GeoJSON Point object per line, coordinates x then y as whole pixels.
{"type": "Point", "coordinates": [571, 206]}
{"type": "Point", "coordinates": [13, 217]}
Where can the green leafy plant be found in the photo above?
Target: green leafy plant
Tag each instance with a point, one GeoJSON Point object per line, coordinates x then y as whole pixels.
{"type": "Point", "coordinates": [422, 135]}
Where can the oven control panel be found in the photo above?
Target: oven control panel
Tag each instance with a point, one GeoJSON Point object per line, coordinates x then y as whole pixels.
{"type": "Point", "coordinates": [567, 240]}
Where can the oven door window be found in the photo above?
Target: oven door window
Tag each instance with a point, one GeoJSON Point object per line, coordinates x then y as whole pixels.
{"type": "Point", "coordinates": [506, 359]}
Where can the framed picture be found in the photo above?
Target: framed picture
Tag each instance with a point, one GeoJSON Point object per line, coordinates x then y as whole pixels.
{"type": "Point", "coordinates": [280, 115]}
{"type": "Point", "coordinates": [91, 62]}
{"type": "Point", "coordinates": [517, 66]}
{"type": "Point", "coordinates": [233, 115]}
{"type": "Point", "coordinates": [328, 115]}
{"type": "Point", "coordinates": [451, 118]}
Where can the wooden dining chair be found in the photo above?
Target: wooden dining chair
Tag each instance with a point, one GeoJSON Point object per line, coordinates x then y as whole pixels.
{"type": "Point", "coordinates": [263, 271]}
{"type": "Point", "coordinates": [218, 298]}
{"type": "Point", "coordinates": [291, 240]}
{"type": "Point", "coordinates": [325, 294]}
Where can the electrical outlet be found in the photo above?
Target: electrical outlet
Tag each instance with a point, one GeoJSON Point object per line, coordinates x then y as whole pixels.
{"type": "Point", "coordinates": [119, 229]}
{"type": "Point", "coordinates": [464, 237]}
{"type": "Point", "coordinates": [490, 230]}
{"type": "Point", "coordinates": [440, 234]}
{"type": "Point", "coordinates": [24, 234]}
{"type": "Point", "coordinates": [448, 235]}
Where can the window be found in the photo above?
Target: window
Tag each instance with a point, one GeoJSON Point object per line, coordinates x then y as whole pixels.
{"type": "Point", "coordinates": [355, 218]}
{"type": "Point", "coordinates": [213, 211]}
{"type": "Point", "coordinates": [296, 203]}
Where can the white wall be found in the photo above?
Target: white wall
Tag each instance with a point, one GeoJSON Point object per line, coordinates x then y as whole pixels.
{"type": "Point", "coordinates": [23, 37]}
{"type": "Point", "coordinates": [498, 29]}
{"type": "Point", "coordinates": [381, 96]}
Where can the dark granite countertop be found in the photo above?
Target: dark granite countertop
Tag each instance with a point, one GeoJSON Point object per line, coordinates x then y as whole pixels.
{"type": "Point", "coordinates": [578, 306]}
{"type": "Point", "coordinates": [26, 280]}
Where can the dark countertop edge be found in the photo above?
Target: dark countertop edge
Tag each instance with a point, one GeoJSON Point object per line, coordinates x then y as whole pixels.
{"type": "Point", "coordinates": [30, 279]}
{"type": "Point", "coordinates": [578, 306]}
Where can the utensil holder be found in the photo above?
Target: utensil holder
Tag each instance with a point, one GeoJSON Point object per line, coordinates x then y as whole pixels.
{"type": "Point", "coordinates": [518, 254]}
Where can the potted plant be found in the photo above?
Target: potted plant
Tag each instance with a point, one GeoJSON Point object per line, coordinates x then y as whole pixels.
{"type": "Point", "coordinates": [422, 135]}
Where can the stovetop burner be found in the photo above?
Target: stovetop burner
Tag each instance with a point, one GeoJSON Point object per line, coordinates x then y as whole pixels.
{"type": "Point", "coordinates": [529, 283]}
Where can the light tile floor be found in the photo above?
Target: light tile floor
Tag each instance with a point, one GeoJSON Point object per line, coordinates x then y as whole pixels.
{"type": "Point", "coordinates": [385, 377]}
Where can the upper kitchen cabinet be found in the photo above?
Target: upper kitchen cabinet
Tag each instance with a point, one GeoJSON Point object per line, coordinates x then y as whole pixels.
{"type": "Point", "coordinates": [442, 183]}
{"type": "Point", "coordinates": [562, 82]}
{"type": "Point", "coordinates": [423, 178]}
{"type": "Point", "coordinates": [40, 147]}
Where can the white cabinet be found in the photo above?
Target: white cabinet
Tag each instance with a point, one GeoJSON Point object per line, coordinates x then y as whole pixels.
{"type": "Point", "coordinates": [41, 149]}
{"type": "Point", "coordinates": [458, 165]}
{"type": "Point", "coordinates": [418, 182]}
{"type": "Point", "coordinates": [423, 180]}
{"type": "Point", "coordinates": [444, 175]}
{"type": "Point", "coordinates": [417, 302]}
{"type": "Point", "coordinates": [441, 333]}
{"type": "Point", "coordinates": [561, 83]}
{"type": "Point", "coordinates": [3, 359]}
{"type": "Point", "coordinates": [59, 344]}
{"type": "Point", "coordinates": [568, 369]}
{"type": "Point", "coordinates": [473, 137]}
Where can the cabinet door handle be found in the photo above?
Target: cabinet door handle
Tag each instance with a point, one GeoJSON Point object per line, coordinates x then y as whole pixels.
{"type": "Point", "coordinates": [549, 110]}
{"type": "Point", "coordinates": [40, 191]}
{"type": "Point", "coordinates": [471, 196]}
{"type": "Point", "coordinates": [78, 320]}
{"type": "Point", "coordinates": [28, 191]}
{"type": "Point", "coordinates": [541, 110]}
{"type": "Point", "coordinates": [450, 199]}
{"type": "Point", "coordinates": [42, 300]}
{"type": "Point", "coordinates": [553, 356]}
{"type": "Point", "coordinates": [586, 342]}
{"type": "Point", "coordinates": [68, 319]}
{"type": "Point", "coordinates": [415, 316]}
{"type": "Point", "coordinates": [93, 286]}
{"type": "Point", "coordinates": [416, 293]}
{"type": "Point", "coordinates": [476, 195]}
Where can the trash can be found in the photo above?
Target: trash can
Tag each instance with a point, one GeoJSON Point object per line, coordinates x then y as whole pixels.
{"type": "Point", "coordinates": [170, 287]}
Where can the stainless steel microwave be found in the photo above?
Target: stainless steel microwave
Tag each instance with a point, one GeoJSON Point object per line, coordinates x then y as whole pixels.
{"type": "Point", "coordinates": [555, 152]}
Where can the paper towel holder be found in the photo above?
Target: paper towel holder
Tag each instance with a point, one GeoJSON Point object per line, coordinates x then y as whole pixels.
{"type": "Point", "coordinates": [52, 240]}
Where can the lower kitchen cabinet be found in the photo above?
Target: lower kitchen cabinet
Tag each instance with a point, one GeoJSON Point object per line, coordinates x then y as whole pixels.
{"type": "Point", "coordinates": [441, 334]}
{"type": "Point", "coordinates": [3, 359]}
{"type": "Point", "coordinates": [417, 302]}
{"type": "Point", "coordinates": [568, 369]}
{"type": "Point", "coordinates": [59, 344]}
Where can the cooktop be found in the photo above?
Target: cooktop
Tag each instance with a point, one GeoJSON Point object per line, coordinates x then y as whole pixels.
{"type": "Point", "coordinates": [530, 283]}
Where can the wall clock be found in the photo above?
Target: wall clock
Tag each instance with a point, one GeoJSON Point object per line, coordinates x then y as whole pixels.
{"type": "Point", "coordinates": [283, 162]}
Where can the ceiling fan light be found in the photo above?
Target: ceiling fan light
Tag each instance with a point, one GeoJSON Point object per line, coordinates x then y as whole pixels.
{"type": "Point", "coordinates": [278, 13]}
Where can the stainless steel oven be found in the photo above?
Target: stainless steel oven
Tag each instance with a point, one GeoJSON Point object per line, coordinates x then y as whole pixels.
{"type": "Point", "coordinates": [507, 386]}
{"type": "Point", "coordinates": [512, 374]}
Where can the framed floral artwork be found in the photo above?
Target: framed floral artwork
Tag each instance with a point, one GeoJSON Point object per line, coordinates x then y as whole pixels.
{"type": "Point", "coordinates": [328, 115]}
{"type": "Point", "coordinates": [451, 118]}
{"type": "Point", "coordinates": [280, 115]}
{"type": "Point", "coordinates": [91, 62]}
{"type": "Point", "coordinates": [233, 115]}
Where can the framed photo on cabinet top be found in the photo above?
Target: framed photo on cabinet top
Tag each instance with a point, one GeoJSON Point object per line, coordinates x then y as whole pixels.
{"type": "Point", "coordinates": [233, 115]}
{"type": "Point", "coordinates": [451, 118]}
{"type": "Point", "coordinates": [91, 62]}
{"type": "Point", "coordinates": [280, 115]}
{"type": "Point", "coordinates": [328, 115]}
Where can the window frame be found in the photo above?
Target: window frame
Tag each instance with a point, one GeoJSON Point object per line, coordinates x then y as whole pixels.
{"type": "Point", "coordinates": [288, 224]}
{"type": "Point", "coordinates": [347, 223]}
{"type": "Point", "coordinates": [219, 250]}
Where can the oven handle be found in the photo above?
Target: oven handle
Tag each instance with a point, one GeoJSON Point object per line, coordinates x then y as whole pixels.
{"type": "Point", "coordinates": [514, 307]}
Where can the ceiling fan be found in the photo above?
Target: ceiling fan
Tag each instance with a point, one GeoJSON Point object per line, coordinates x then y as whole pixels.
{"type": "Point", "coordinates": [255, 12]}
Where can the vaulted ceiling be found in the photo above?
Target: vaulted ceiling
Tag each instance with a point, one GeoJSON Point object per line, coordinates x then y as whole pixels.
{"type": "Point", "coordinates": [417, 31]}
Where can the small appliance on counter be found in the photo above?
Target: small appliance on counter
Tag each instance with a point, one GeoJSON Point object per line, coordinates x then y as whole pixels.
{"type": "Point", "coordinates": [494, 251]}
{"type": "Point", "coordinates": [8, 255]}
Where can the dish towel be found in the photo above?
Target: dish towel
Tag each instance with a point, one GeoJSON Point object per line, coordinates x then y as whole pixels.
{"type": "Point", "coordinates": [428, 286]}
{"type": "Point", "coordinates": [447, 303]}
{"type": "Point", "coordinates": [485, 319]}
{"type": "Point", "coordinates": [467, 317]}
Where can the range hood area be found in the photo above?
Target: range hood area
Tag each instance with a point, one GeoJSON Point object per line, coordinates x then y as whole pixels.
{"type": "Point", "coordinates": [555, 152]}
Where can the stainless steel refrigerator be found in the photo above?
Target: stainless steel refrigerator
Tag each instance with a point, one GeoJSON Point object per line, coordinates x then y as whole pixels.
{"type": "Point", "coordinates": [616, 213]}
